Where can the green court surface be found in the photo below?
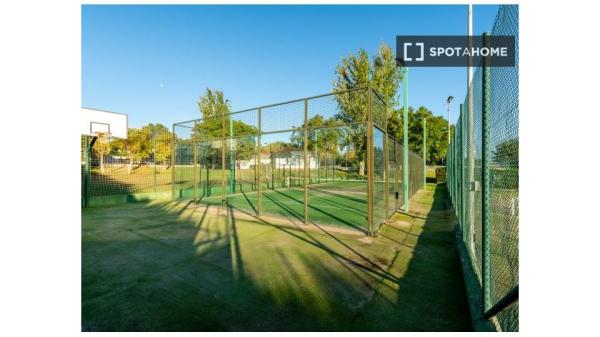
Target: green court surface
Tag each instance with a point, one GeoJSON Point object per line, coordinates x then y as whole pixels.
{"type": "Point", "coordinates": [341, 203]}
{"type": "Point", "coordinates": [177, 266]}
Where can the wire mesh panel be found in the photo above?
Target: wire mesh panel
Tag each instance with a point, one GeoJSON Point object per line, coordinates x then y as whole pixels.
{"type": "Point", "coordinates": [379, 183]}
{"type": "Point", "coordinates": [472, 157]}
{"type": "Point", "coordinates": [400, 168]}
{"type": "Point", "coordinates": [338, 185]}
{"type": "Point", "coordinates": [491, 233]}
{"type": "Point", "coordinates": [379, 111]}
{"type": "Point", "coordinates": [282, 175]}
{"type": "Point", "coordinates": [415, 173]}
{"type": "Point", "coordinates": [241, 163]}
{"type": "Point", "coordinates": [393, 175]}
{"type": "Point", "coordinates": [211, 172]}
{"type": "Point", "coordinates": [139, 164]}
{"type": "Point", "coordinates": [504, 171]}
{"type": "Point", "coordinates": [508, 319]}
{"type": "Point", "coordinates": [300, 161]}
{"type": "Point", "coordinates": [183, 161]}
{"type": "Point", "coordinates": [281, 117]}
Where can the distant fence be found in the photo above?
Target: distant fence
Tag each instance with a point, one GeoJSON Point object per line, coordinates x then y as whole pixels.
{"type": "Point", "coordinates": [483, 180]}
{"type": "Point", "coordinates": [115, 170]}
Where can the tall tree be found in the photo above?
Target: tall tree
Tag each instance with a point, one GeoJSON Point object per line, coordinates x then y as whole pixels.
{"type": "Point", "coordinates": [102, 149]}
{"type": "Point", "coordinates": [161, 143]}
{"type": "Point", "coordinates": [357, 71]}
{"type": "Point", "coordinates": [138, 145]}
{"type": "Point", "coordinates": [437, 136]}
{"type": "Point", "coordinates": [213, 104]}
{"type": "Point", "coordinates": [325, 136]}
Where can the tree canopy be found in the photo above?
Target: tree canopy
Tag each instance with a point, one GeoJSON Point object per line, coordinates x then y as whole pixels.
{"type": "Point", "coordinates": [383, 75]}
{"type": "Point", "coordinates": [357, 71]}
{"type": "Point", "coordinates": [214, 107]}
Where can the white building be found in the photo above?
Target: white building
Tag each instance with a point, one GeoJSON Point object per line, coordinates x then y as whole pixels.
{"type": "Point", "coordinates": [281, 160]}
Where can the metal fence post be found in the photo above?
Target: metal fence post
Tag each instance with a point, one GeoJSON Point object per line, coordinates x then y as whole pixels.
{"type": "Point", "coordinates": [195, 170]}
{"type": "Point", "coordinates": [173, 161]}
{"type": "Point", "coordinates": [464, 184]}
{"type": "Point", "coordinates": [397, 174]}
{"type": "Point", "coordinates": [223, 160]}
{"type": "Point", "coordinates": [485, 175]}
{"type": "Point", "coordinates": [306, 165]}
{"type": "Point", "coordinates": [317, 155]}
{"type": "Point", "coordinates": [154, 160]}
{"type": "Point", "coordinates": [386, 169]}
{"type": "Point", "coordinates": [231, 158]}
{"type": "Point", "coordinates": [459, 168]}
{"type": "Point", "coordinates": [405, 161]}
{"type": "Point", "coordinates": [87, 175]}
{"type": "Point", "coordinates": [425, 153]}
{"type": "Point", "coordinates": [370, 164]}
{"type": "Point", "coordinates": [257, 167]}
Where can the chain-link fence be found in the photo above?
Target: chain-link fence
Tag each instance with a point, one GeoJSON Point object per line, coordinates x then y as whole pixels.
{"type": "Point", "coordinates": [115, 170]}
{"type": "Point", "coordinates": [483, 179]}
{"type": "Point", "coordinates": [325, 160]}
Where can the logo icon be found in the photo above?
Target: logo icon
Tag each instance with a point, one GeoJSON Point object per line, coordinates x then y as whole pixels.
{"type": "Point", "coordinates": [421, 46]}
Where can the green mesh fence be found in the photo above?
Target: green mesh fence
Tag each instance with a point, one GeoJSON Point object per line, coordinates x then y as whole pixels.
{"type": "Point", "coordinates": [325, 160]}
{"type": "Point", "coordinates": [137, 165]}
{"type": "Point", "coordinates": [483, 179]}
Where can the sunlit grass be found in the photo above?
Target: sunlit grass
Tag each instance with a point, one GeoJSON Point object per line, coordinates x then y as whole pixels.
{"type": "Point", "coordinates": [180, 267]}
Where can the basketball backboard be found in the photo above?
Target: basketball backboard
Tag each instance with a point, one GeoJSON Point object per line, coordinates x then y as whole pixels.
{"type": "Point", "coordinates": [98, 121]}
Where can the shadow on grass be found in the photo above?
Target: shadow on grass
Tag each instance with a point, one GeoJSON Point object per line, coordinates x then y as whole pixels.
{"type": "Point", "coordinates": [178, 267]}
{"type": "Point", "coordinates": [430, 294]}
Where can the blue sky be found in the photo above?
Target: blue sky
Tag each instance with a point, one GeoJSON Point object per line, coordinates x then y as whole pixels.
{"type": "Point", "coordinates": [153, 62]}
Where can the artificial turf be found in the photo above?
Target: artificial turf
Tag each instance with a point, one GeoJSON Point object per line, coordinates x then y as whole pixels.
{"type": "Point", "coordinates": [341, 204]}
{"type": "Point", "coordinates": [178, 267]}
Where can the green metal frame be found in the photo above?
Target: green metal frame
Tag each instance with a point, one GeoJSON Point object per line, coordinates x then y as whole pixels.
{"type": "Point", "coordinates": [370, 163]}
{"type": "Point", "coordinates": [461, 159]}
{"type": "Point", "coordinates": [87, 169]}
{"type": "Point", "coordinates": [485, 175]}
{"type": "Point", "coordinates": [405, 165]}
{"type": "Point", "coordinates": [424, 152]}
{"type": "Point", "coordinates": [259, 169]}
{"type": "Point", "coordinates": [231, 158]}
{"type": "Point", "coordinates": [173, 163]}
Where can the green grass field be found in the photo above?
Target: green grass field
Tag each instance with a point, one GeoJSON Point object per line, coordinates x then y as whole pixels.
{"type": "Point", "coordinates": [117, 179]}
{"type": "Point", "coordinates": [176, 266]}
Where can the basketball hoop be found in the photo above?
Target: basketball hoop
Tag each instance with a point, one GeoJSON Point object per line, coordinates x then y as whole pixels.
{"type": "Point", "coordinates": [103, 137]}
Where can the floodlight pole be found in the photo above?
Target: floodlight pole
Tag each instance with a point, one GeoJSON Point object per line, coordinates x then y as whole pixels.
{"type": "Point", "coordinates": [450, 98]}
{"type": "Point", "coordinates": [470, 140]}
{"type": "Point", "coordinates": [405, 135]}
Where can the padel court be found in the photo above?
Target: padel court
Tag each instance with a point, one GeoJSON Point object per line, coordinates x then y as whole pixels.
{"type": "Point", "coordinates": [341, 203]}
